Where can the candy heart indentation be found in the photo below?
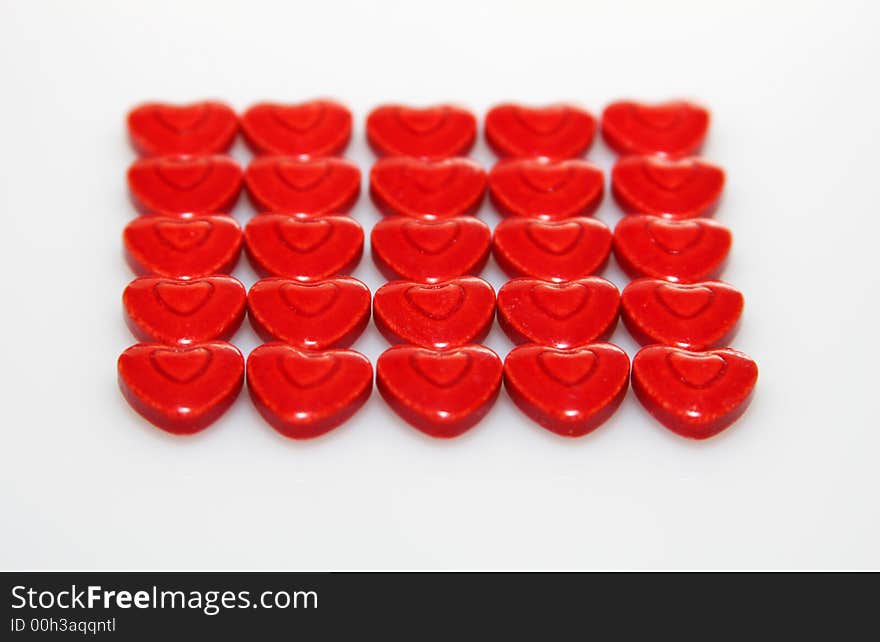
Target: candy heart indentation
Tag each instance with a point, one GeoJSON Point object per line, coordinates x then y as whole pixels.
{"type": "Point", "coordinates": [184, 173]}
{"type": "Point", "coordinates": [443, 369]}
{"type": "Point", "coordinates": [438, 302]}
{"type": "Point", "coordinates": [560, 300]}
{"type": "Point", "coordinates": [555, 238]}
{"type": "Point", "coordinates": [183, 298]}
{"type": "Point", "coordinates": [309, 299]}
{"type": "Point", "coordinates": [181, 365]}
{"type": "Point", "coordinates": [423, 121]}
{"type": "Point", "coordinates": [303, 177]}
{"type": "Point", "coordinates": [684, 301]}
{"type": "Point", "coordinates": [304, 236]}
{"type": "Point", "coordinates": [674, 237]}
{"type": "Point", "coordinates": [669, 176]}
{"type": "Point", "coordinates": [569, 368]}
{"type": "Point", "coordinates": [305, 370]}
{"type": "Point", "coordinates": [544, 121]}
{"type": "Point", "coordinates": [183, 235]}
{"type": "Point", "coordinates": [431, 238]}
{"type": "Point", "coordinates": [696, 370]}
{"type": "Point", "coordinates": [664, 116]}
{"type": "Point", "coordinates": [546, 178]}
{"type": "Point", "coordinates": [300, 118]}
{"type": "Point", "coordinates": [432, 178]}
{"type": "Point", "coordinates": [182, 119]}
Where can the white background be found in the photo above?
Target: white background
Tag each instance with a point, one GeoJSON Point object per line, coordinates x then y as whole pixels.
{"type": "Point", "coordinates": [87, 484]}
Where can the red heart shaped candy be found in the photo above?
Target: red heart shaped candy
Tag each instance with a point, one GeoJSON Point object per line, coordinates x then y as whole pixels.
{"type": "Point", "coordinates": [313, 128]}
{"type": "Point", "coordinates": [427, 189]}
{"type": "Point", "coordinates": [439, 131]}
{"type": "Point", "coordinates": [676, 128]}
{"type": "Point", "coordinates": [182, 246]}
{"type": "Point", "coordinates": [569, 392]}
{"type": "Point", "coordinates": [694, 317]}
{"type": "Point", "coordinates": [303, 247]}
{"type": "Point", "coordinates": [684, 188]}
{"type": "Point", "coordinates": [551, 131]}
{"type": "Point", "coordinates": [679, 251]}
{"type": "Point", "coordinates": [545, 189]}
{"type": "Point", "coordinates": [299, 185]}
{"type": "Point", "coordinates": [181, 389]}
{"type": "Point", "coordinates": [330, 313]}
{"type": "Point", "coordinates": [184, 310]}
{"type": "Point", "coordinates": [552, 250]}
{"type": "Point", "coordinates": [563, 315]}
{"type": "Point", "coordinates": [440, 315]}
{"type": "Point", "coordinates": [307, 394]}
{"type": "Point", "coordinates": [694, 394]}
{"type": "Point", "coordinates": [430, 251]}
{"type": "Point", "coordinates": [199, 128]}
{"type": "Point", "coordinates": [442, 393]}
{"type": "Point", "coordinates": [184, 184]}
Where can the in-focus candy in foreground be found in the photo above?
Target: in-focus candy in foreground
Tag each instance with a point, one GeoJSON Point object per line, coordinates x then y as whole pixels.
{"type": "Point", "coordinates": [181, 390]}
{"type": "Point", "coordinates": [442, 393]}
{"type": "Point", "coordinates": [675, 128]}
{"type": "Point", "coordinates": [207, 127]}
{"type": "Point", "coordinates": [694, 394]}
{"type": "Point", "coordinates": [552, 131]}
{"type": "Point", "coordinates": [185, 184]}
{"type": "Point", "coordinates": [295, 185]}
{"type": "Point", "coordinates": [439, 315]}
{"type": "Point", "coordinates": [569, 392]}
{"type": "Point", "coordinates": [438, 131]}
{"type": "Point", "coordinates": [305, 394]}
{"type": "Point", "coordinates": [312, 128]}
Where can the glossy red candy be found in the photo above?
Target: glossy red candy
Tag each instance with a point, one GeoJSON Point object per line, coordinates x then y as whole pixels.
{"type": "Point", "coordinates": [684, 188]}
{"type": "Point", "coordinates": [676, 128]}
{"type": "Point", "coordinates": [182, 246]}
{"type": "Point", "coordinates": [695, 317]}
{"type": "Point", "coordinates": [181, 389]}
{"type": "Point", "coordinates": [184, 311]}
{"type": "Point", "coordinates": [442, 393]}
{"type": "Point", "coordinates": [185, 184]}
{"type": "Point", "coordinates": [569, 392]}
{"type": "Point", "coordinates": [439, 131]}
{"type": "Point", "coordinates": [199, 128]}
{"type": "Point", "coordinates": [679, 251]}
{"type": "Point", "coordinates": [563, 315]}
{"type": "Point", "coordinates": [427, 189]}
{"type": "Point", "coordinates": [304, 394]}
{"type": "Point", "coordinates": [552, 250]}
{"type": "Point", "coordinates": [440, 315]}
{"type": "Point", "coordinates": [552, 131]}
{"type": "Point", "coordinates": [430, 251]}
{"type": "Point", "coordinates": [294, 185]}
{"type": "Point", "coordinates": [545, 189]}
{"type": "Point", "coordinates": [313, 128]}
{"type": "Point", "coordinates": [331, 313]}
{"type": "Point", "coordinates": [694, 394]}
{"type": "Point", "coordinates": [303, 247]}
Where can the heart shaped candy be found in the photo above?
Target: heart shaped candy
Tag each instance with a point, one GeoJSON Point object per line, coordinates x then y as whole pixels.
{"type": "Point", "coordinates": [440, 315]}
{"type": "Point", "coordinates": [182, 246]}
{"type": "Point", "coordinates": [207, 127]}
{"type": "Point", "coordinates": [694, 394]}
{"type": "Point", "coordinates": [430, 251]}
{"type": "Point", "coordinates": [299, 185]}
{"type": "Point", "coordinates": [307, 394]}
{"type": "Point", "coordinates": [184, 184]}
{"type": "Point", "coordinates": [552, 250]}
{"type": "Point", "coordinates": [427, 189]}
{"type": "Point", "coordinates": [442, 393]}
{"type": "Point", "coordinates": [439, 131]}
{"type": "Point", "coordinates": [569, 392]}
{"type": "Point", "coordinates": [694, 317]}
{"type": "Point", "coordinates": [676, 128]}
{"type": "Point", "coordinates": [684, 188]}
{"type": "Point", "coordinates": [184, 311]}
{"type": "Point", "coordinates": [562, 315]}
{"type": "Point", "coordinates": [302, 247]}
{"type": "Point", "coordinates": [678, 251]}
{"type": "Point", "coordinates": [552, 131]}
{"type": "Point", "coordinates": [313, 128]}
{"type": "Point", "coordinates": [545, 189]}
{"type": "Point", "coordinates": [331, 313]}
{"type": "Point", "coordinates": [181, 390]}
